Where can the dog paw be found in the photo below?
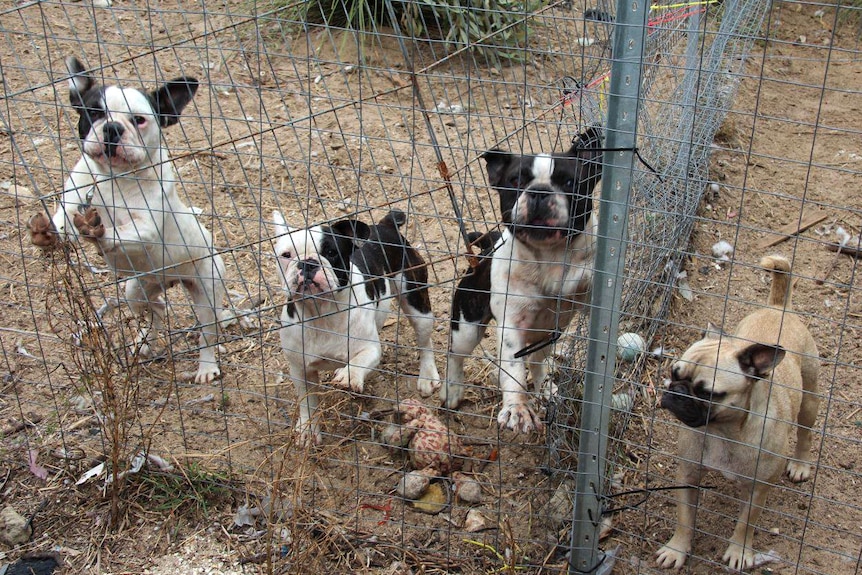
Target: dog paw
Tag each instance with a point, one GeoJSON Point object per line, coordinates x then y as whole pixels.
{"type": "Point", "coordinates": [738, 558]}
{"type": "Point", "coordinates": [451, 394]}
{"type": "Point", "coordinates": [342, 380]}
{"type": "Point", "coordinates": [207, 374]}
{"type": "Point", "coordinates": [427, 387]}
{"type": "Point", "coordinates": [89, 224]}
{"type": "Point", "coordinates": [670, 558]}
{"type": "Point", "coordinates": [307, 435]}
{"type": "Point", "coordinates": [42, 232]}
{"type": "Point", "coordinates": [520, 417]}
{"type": "Point", "coordinates": [798, 471]}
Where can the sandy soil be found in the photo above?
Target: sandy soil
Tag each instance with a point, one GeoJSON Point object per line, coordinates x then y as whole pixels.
{"type": "Point", "coordinates": [790, 147]}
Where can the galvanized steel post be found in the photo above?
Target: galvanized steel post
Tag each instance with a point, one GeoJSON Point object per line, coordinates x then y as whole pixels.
{"type": "Point", "coordinates": [623, 102]}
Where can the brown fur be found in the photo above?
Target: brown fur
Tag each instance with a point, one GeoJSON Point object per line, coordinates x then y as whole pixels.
{"type": "Point", "coordinates": [750, 389]}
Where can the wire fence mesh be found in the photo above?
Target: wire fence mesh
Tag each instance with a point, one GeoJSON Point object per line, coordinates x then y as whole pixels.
{"type": "Point", "coordinates": [747, 134]}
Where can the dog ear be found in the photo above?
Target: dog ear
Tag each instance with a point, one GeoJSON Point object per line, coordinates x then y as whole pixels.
{"type": "Point", "coordinates": [759, 359]}
{"type": "Point", "coordinates": [79, 82]}
{"type": "Point", "coordinates": [714, 332]}
{"type": "Point", "coordinates": [355, 229]}
{"type": "Point", "coordinates": [587, 148]}
{"type": "Point", "coordinates": [281, 228]}
{"type": "Point", "coordinates": [496, 163]}
{"type": "Point", "coordinates": [170, 100]}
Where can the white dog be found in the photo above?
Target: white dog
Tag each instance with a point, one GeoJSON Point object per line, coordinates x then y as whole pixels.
{"type": "Point", "coordinates": [540, 273]}
{"type": "Point", "coordinates": [340, 280]}
{"type": "Point", "coordinates": [121, 196]}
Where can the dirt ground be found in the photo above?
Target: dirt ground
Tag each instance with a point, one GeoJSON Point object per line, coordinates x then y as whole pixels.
{"type": "Point", "coordinates": [790, 149]}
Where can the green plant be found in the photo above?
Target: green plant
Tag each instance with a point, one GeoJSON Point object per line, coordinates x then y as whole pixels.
{"type": "Point", "coordinates": [192, 489]}
{"type": "Point", "coordinates": [496, 30]}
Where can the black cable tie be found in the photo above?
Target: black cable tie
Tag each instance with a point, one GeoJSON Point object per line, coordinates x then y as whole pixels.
{"type": "Point", "coordinates": [635, 150]}
{"type": "Point", "coordinates": [533, 347]}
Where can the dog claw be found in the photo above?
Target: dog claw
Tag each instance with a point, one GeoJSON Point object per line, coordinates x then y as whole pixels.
{"type": "Point", "coordinates": [42, 232]}
{"type": "Point", "coordinates": [798, 471]}
{"type": "Point", "coordinates": [342, 380]}
{"type": "Point", "coordinates": [737, 558]}
{"type": "Point", "coordinates": [669, 558]}
{"type": "Point", "coordinates": [307, 434]}
{"type": "Point", "coordinates": [207, 375]}
{"type": "Point", "coordinates": [427, 387]}
{"type": "Point", "coordinates": [89, 224]}
{"type": "Point", "coordinates": [520, 417]}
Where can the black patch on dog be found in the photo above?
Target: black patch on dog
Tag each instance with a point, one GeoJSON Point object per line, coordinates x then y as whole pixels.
{"type": "Point", "coordinates": [691, 403]}
{"type": "Point", "coordinates": [169, 101]}
{"type": "Point", "coordinates": [338, 244]}
{"type": "Point", "coordinates": [386, 253]}
{"type": "Point", "coordinates": [472, 300]}
{"type": "Point", "coordinates": [90, 107]}
{"type": "Point", "coordinates": [684, 406]}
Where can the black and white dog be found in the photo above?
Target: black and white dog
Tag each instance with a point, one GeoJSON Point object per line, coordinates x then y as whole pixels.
{"type": "Point", "coordinates": [539, 276]}
{"type": "Point", "coordinates": [121, 196]}
{"type": "Point", "coordinates": [340, 280]}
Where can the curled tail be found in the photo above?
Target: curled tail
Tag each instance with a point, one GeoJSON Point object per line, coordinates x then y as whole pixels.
{"type": "Point", "coordinates": [395, 219]}
{"type": "Point", "coordinates": [780, 292]}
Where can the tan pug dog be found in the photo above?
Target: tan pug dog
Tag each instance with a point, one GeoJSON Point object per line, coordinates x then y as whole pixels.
{"type": "Point", "coordinates": [740, 397]}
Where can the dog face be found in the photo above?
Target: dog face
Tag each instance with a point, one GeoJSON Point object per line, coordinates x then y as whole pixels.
{"type": "Point", "coordinates": [713, 380]}
{"type": "Point", "coordinates": [120, 127]}
{"type": "Point", "coordinates": [316, 260]}
{"type": "Point", "coordinates": [546, 199]}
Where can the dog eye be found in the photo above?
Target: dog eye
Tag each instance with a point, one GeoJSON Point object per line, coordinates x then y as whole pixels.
{"type": "Point", "coordinates": [569, 185]}
{"type": "Point", "coordinates": [286, 255]}
{"type": "Point", "coordinates": [140, 120]}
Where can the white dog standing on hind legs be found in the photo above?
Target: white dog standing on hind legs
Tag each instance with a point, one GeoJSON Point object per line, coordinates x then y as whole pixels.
{"type": "Point", "coordinates": [340, 280]}
{"type": "Point", "coordinates": [121, 197]}
{"type": "Point", "coordinates": [539, 276]}
{"type": "Point", "coordinates": [740, 396]}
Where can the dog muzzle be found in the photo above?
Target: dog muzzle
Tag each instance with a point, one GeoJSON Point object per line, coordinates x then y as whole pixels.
{"type": "Point", "coordinates": [679, 400]}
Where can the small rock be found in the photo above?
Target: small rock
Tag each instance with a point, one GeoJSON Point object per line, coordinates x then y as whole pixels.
{"type": "Point", "coordinates": [412, 485]}
{"type": "Point", "coordinates": [475, 521]}
{"type": "Point", "coordinates": [14, 529]}
{"type": "Point", "coordinates": [467, 489]}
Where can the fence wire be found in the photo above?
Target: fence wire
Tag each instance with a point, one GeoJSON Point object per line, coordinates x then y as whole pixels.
{"type": "Point", "coordinates": [747, 145]}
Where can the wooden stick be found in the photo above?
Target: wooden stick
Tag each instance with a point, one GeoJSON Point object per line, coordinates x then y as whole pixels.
{"type": "Point", "coordinates": [806, 221]}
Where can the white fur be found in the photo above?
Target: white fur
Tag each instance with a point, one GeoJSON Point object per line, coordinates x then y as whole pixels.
{"type": "Point", "coordinates": [536, 290]}
{"type": "Point", "coordinates": [150, 233]}
{"type": "Point", "coordinates": [337, 329]}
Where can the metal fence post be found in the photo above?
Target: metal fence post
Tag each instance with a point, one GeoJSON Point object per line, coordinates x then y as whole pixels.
{"type": "Point", "coordinates": [623, 99]}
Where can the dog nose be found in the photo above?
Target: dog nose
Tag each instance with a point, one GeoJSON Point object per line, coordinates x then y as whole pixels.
{"type": "Point", "coordinates": [307, 268]}
{"type": "Point", "coordinates": [112, 133]}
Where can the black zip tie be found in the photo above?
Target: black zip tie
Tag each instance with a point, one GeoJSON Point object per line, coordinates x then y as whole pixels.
{"type": "Point", "coordinates": [533, 347]}
{"type": "Point", "coordinates": [635, 150]}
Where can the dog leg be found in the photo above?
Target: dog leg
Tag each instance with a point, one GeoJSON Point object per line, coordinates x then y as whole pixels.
{"type": "Point", "coordinates": [517, 414]}
{"type": "Point", "coordinates": [740, 553]}
{"type": "Point", "coordinates": [307, 425]}
{"type": "Point", "coordinates": [463, 339]}
{"type": "Point", "coordinates": [146, 301]}
{"type": "Point", "coordinates": [675, 551]}
{"type": "Point", "coordinates": [207, 295]}
{"type": "Point", "coordinates": [538, 365]}
{"type": "Point", "coordinates": [352, 376]}
{"type": "Point", "coordinates": [417, 306]}
{"type": "Point", "coordinates": [799, 468]}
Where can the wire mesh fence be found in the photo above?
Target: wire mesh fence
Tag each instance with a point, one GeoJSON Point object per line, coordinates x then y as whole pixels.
{"type": "Point", "coordinates": [746, 145]}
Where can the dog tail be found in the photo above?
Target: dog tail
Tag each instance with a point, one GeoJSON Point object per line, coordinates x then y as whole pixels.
{"type": "Point", "coordinates": [395, 219]}
{"type": "Point", "coordinates": [780, 292]}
